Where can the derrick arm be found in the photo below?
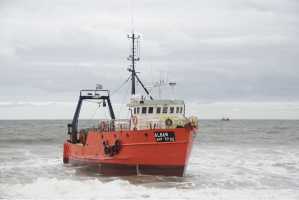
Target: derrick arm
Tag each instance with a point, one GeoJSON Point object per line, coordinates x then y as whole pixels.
{"type": "Point", "coordinates": [88, 95]}
{"type": "Point", "coordinates": [110, 109]}
{"type": "Point", "coordinates": [73, 127]}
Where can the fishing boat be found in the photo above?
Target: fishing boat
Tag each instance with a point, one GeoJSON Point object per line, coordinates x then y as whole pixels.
{"type": "Point", "coordinates": [156, 139]}
{"type": "Point", "coordinates": [225, 119]}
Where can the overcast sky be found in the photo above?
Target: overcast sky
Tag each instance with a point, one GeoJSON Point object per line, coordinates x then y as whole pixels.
{"type": "Point", "coordinates": [241, 55]}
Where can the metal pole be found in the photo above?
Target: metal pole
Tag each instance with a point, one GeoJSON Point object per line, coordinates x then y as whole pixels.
{"type": "Point", "coordinates": [133, 65]}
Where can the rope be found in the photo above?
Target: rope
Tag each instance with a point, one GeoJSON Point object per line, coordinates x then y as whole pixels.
{"type": "Point", "coordinates": [113, 92]}
{"type": "Point", "coordinates": [123, 99]}
{"type": "Point", "coordinates": [95, 112]}
{"type": "Point", "coordinates": [117, 89]}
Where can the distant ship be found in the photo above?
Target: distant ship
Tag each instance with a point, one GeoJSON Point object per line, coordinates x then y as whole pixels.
{"type": "Point", "coordinates": [225, 119]}
{"type": "Point", "coordinates": [156, 139]}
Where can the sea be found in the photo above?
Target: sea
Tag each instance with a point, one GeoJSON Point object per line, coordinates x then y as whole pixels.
{"type": "Point", "coordinates": [237, 159]}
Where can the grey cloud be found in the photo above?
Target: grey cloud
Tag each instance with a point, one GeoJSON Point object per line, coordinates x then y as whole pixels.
{"type": "Point", "coordinates": [216, 50]}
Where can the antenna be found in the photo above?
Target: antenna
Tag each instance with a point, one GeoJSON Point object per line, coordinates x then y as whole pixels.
{"type": "Point", "coordinates": [159, 84]}
{"type": "Point", "coordinates": [172, 85]}
{"type": "Point", "coordinates": [131, 2]}
{"type": "Point", "coordinates": [134, 57]}
{"type": "Point", "coordinates": [162, 83]}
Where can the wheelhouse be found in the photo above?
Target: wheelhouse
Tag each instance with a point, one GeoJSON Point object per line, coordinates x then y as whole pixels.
{"type": "Point", "coordinates": [157, 107]}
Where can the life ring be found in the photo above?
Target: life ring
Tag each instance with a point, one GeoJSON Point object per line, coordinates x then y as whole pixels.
{"type": "Point", "coordinates": [135, 120]}
{"type": "Point", "coordinates": [168, 122]}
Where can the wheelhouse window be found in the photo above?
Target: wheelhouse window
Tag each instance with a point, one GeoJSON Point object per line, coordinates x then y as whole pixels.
{"type": "Point", "coordinates": [158, 110]}
{"type": "Point", "coordinates": [150, 110]}
{"type": "Point", "coordinates": [181, 110]}
{"type": "Point", "coordinates": [143, 111]}
{"type": "Point", "coordinates": [164, 109]}
{"type": "Point", "coordinates": [171, 110]}
{"type": "Point", "coordinates": [138, 110]}
{"type": "Point", "coordinates": [177, 109]}
{"type": "Point", "coordinates": [134, 110]}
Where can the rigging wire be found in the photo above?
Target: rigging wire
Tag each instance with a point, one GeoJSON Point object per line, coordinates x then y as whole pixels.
{"type": "Point", "coordinates": [93, 115]}
{"type": "Point", "coordinates": [123, 100]}
{"type": "Point", "coordinates": [117, 89]}
{"type": "Point", "coordinates": [105, 112]}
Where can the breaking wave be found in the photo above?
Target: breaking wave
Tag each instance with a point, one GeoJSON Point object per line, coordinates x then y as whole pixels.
{"type": "Point", "coordinates": [53, 188]}
{"type": "Point", "coordinates": [233, 160]}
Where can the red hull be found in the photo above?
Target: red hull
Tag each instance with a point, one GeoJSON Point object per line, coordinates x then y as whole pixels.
{"type": "Point", "coordinates": [138, 152]}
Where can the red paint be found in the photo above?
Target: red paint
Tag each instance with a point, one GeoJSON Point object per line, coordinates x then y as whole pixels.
{"type": "Point", "coordinates": [138, 148]}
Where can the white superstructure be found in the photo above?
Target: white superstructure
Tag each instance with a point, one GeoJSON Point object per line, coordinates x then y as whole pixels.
{"type": "Point", "coordinates": [151, 114]}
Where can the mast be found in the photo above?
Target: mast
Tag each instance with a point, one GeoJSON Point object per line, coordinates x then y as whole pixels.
{"type": "Point", "coordinates": [133, 58]}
